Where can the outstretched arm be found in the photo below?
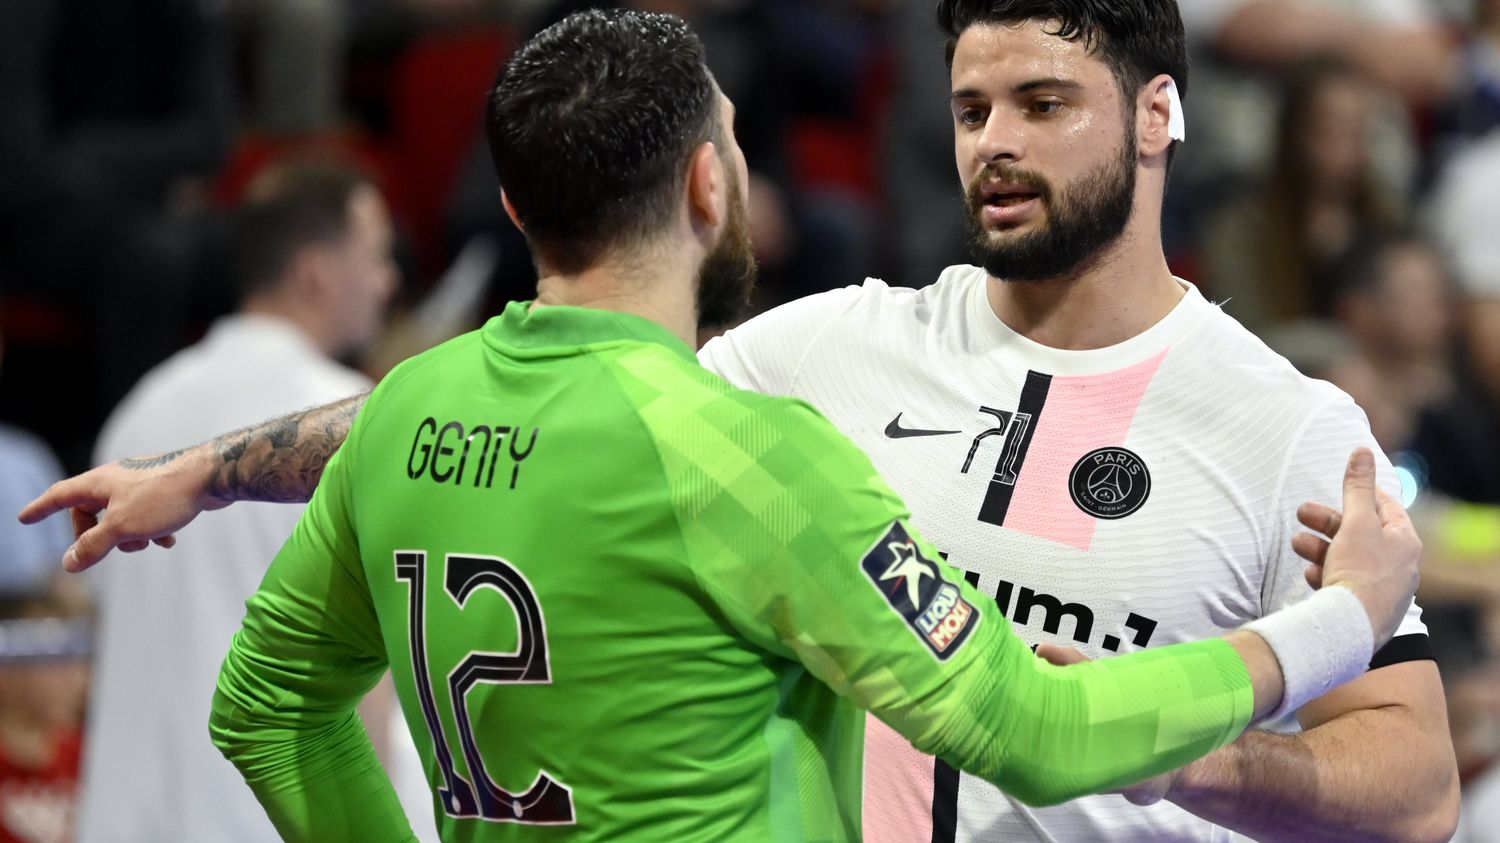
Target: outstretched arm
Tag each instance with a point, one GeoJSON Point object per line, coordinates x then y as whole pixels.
{"type": "Point", "coordinates": [139, 500]}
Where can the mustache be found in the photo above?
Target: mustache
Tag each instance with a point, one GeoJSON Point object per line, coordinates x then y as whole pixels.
{"type": "Point", "coordinates": [1011, 174]}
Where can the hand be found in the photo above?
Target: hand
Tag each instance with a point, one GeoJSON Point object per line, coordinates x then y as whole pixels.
{"type": "Point", "coordinates": [1148, 792]}
{"type": "Point", "coordinates": [1374, 552]}
{"type": "Point", "coordinates": [142, 501]}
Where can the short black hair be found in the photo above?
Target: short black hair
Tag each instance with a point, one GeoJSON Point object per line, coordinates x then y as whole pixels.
{"type": "Point", "coordinates": [591, 125]}
{"type": "Point", "coordinates": [287, 208]}
{"type": "Point", "coordinates": [1138, 39]}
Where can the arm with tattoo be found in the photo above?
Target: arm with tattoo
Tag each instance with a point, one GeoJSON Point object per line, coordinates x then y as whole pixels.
{"type": "Point", "coordinates": [139, 500]}
{"type": "Point", "coordinates": [280, 461]}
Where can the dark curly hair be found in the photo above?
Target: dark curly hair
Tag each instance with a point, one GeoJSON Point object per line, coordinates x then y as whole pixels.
{"type": "Point", "coordinates": [590, 126]}
{"type": "Point", "coordinates": [1138, 39]}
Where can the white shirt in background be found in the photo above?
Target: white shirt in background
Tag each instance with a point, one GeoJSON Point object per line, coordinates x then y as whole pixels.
{"type": "Point", "coordinates": [166, 617]}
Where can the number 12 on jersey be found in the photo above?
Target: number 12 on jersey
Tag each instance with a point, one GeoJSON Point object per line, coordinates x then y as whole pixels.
{"type": "Point", "coordinates": [546, 801]}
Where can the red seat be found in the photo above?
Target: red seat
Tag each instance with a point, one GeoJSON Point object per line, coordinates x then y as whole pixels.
{"type": "Point", "coordinates": [437, 113]}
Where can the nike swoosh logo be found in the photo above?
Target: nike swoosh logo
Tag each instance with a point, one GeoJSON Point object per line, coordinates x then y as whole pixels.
{"type": "Point", "coordinates": [894, 430]}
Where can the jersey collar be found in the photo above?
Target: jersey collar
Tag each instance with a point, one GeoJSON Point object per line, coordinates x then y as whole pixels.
{"type": "Point", "coordinates": [557, 330]}
{"type": "Point", "coordinates": [1182, 320]}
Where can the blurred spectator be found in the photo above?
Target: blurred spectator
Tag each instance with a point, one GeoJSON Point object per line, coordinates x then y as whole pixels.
{"type": "Point", "coordinates": [1401, 44]}
{"type": "Point", "coordinates": [298, 50]}
{"type": "Point", "coordinates": [1240, 47]}
{"type": "Point", "coordinates": [113, 112]}
{"type": "Point", "coordinates": [1269, 255]}
{"type": "Point", "coordinates": [297, 54]}
{"type": "Point", "coordinates": [44, 645]}
{"type": "Point", "coordinates": [1392, 294]}
{"type": "Point", "coordinates": [1462, 213]}
{"type": "Point", "coordinates": [1481, 809]}
{"type": "Point", "coordinates": [1476, 103]}
{"type": "Point", "coordinates": [1458, 439]}
{"type": "Point", "coordinates": [924, 199]}
{"type": "Point", "coordinates": [27, 468]}
{"type": "Point", "coordinates": [313, 260]}
{"type": "Point", "coordinates": [780, 62]}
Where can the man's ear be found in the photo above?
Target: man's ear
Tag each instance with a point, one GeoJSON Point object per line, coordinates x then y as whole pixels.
{"type": "Point", "coordinates": [510, 210]}
{"type": "Point", "coordinates": [307, 272]}
{"type": "Point", "coordinates": [1154, 110]}
{"type": "Point", "coordinates": [707, 185]}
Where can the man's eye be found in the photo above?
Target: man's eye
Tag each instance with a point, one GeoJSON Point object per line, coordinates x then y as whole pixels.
{"type": "Point", "coordinates": [1046, 106]}
{"type": "Point", "coordinates": [971, 116]}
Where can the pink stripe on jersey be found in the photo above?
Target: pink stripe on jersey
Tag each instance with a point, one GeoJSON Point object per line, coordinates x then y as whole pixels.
{"type": "Point", "coordinates": [1081, 415]}
{"type": "Point", "coordinates": [898, 787]}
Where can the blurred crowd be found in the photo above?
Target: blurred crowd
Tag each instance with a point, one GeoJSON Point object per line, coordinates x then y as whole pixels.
{"type": "Point", "coordinates": [1339, 194]}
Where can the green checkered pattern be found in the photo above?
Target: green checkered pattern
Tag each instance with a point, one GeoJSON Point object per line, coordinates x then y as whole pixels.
{"type": "Point", "coordinates": [695, 551]}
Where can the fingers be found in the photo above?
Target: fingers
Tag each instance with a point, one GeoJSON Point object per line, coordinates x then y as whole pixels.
{"type": "Point", "coordinates": [1359, 484]}
{"type": "Point", "coordinates": [1060, 656]}
{"type": "Point", "coordinates": [1390, 510]}
{"type": "Point", "coordinates": [1314, 576]}
{"type": "Point", "coordinates": [90, 547]}
{"type": "Point", "coordinates": [1143, 796]}
{"type": "Point", "coordinates": [75, 492]}
{"type": "Point", "coordinates": [97, 539]}
{"type": "Point", "coordinates": [83, 521]}
{"type": "Point", "coordinates": [1324, 519]}
{"type": "Point", "coordinates": [1310, 547]}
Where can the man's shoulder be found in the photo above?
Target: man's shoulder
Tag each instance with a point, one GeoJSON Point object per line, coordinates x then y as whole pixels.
{"type": "Point", "coordinates": [416, 375]}
{"type": "Point", "coordinates": [1242, 365]}
{"type": "Point", "coordinates": [667, 389]}
{"type": "Point", "coordinates": [696, 417]}
{"type": "Point", "coordinates": [855, 307]}
{"type": "Point", "coordinates": [775, 349]}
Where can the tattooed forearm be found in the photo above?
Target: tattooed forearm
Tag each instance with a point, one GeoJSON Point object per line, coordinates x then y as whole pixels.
{"type": "Point", "coordinates": [281, 461]}
{"type": "Point", "coordinates": [143, 463]}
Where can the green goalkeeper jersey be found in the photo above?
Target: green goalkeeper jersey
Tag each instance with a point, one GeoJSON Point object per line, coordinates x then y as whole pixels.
{"type": "Point", "coordinates": [623, 600]}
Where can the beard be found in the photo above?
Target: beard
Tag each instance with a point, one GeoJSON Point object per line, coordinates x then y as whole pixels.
{"type": "Point", "coordinates": [1090, 214]}
{"type": "Point", "coordinates": [727, 276]}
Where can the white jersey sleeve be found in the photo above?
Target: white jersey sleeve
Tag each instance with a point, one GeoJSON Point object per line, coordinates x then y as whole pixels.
{"type": "Point", "coordinates": [1315, 472]}
{"type": "Point", "coordinates": [766, 353]}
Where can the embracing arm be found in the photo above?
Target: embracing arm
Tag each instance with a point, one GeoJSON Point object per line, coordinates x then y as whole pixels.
{"type": "Point", "coordinates": [1374, 760]}
{"type": "Point", "coordinates": [146, 499]}
{"type": "Point", "coordinates": [1375, 763]}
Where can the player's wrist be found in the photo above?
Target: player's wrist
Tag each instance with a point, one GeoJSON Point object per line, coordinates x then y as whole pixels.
{"type": "Point", "coordinates": [200, 474]}
{"type": "Point", "coordinates": [1320, 643]}
{"type": "Point", "coordinates": [1207, 775]}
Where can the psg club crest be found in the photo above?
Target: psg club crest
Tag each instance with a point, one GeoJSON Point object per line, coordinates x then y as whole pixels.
{"type": "Point", "coordinates": [914, 586]}
{"type": "Point", "coordinates": [1110, 483]}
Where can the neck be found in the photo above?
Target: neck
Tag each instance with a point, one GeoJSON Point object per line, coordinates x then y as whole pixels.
{"type": "Point", "coordinates": [659, 288]}
{"type": "Point", "coordinates": [1119, 294]}
{"type": "Point", "coordinates": [289, 308]}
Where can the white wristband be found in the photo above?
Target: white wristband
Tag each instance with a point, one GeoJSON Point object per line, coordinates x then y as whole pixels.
{"type": "Point", "coordinates": [1321, 643]}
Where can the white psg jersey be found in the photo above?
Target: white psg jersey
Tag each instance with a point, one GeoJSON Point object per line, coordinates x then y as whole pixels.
{"type": "Point", "coordinates": [1110, 500]}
